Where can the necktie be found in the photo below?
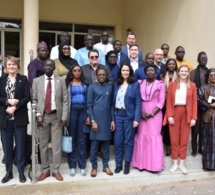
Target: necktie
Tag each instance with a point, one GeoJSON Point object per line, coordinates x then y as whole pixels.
{"type": "Point", "coordinates": [118, 59]}
{"type": "Point", "coordinates": [48, 106]}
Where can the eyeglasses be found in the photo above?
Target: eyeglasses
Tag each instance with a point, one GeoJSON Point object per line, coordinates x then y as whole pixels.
{"type": "Point", "coordinates": [165, 48]}
{"type": "Point", "coordinates": [105, 35]}
{"type": "Point", "coordinates": [113, 57]}
{"type": "Point", "coordinates": [150, 58]}
{"type": "Point", "coordinates": [67, 48]}
{"type": "Point", "coordinates": [157, 54]}
{"type": "Point", "coordinates": [94, 57]}
{"type": "Point", "coordinates": [76, 70]}
{"type": "Point", "coordinates": [180, 51]}
{"type": "Point", "coordinates": [211, 75]}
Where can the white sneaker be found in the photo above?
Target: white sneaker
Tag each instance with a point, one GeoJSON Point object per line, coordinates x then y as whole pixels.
{"type": "Point", "coordinates": [183, 169]}
{"type": "Point", "coordinates": [174, 168]}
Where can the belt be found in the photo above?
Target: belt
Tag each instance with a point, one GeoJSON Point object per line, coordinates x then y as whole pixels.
{"type": "Point", "coordinates": [121, 109]}
{"type": "Point", "coordinates": [52, 112]}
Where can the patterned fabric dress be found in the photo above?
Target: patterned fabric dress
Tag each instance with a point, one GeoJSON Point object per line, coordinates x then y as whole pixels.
{"type": "Point", "coordinates": [208, 145]}
{"type": "Point", "coordinates": [148, 146]}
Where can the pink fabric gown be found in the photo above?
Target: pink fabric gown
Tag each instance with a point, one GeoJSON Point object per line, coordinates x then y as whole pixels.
{"type": "Point", "coordinates": [148, 145]}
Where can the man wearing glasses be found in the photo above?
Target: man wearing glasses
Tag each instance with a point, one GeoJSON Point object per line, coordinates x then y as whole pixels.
{"type": "Point", "coordinates": [82, 54]}
{"type": "Point", "coordinates": [104, 45]}
{"type": "Point", "coordinates": [180, 52]}
{"type": "Point", "coordinates": [89, 70]}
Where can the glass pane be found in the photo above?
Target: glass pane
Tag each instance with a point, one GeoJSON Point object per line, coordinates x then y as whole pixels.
{"type": "Point", "coordinates": [58, 39]}
{"type": "Point", "coordinates": [55, 26]}
{"type": "Point", "coordinates": [4, 23]}
{"type": "Point", "coordinates": [49, 38]}
{"type": "Point", "coordinates": [79, 41]}
{"type": "Point", "coordinates": [12, 44]}
{"type": "Point", "coordinates": [93, 29]}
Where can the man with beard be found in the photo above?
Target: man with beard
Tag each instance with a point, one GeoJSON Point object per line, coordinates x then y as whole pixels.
{"type": "Point", "coordinates": [198, 77]}
{"type": "Point", "coordinates": [36, 67]}
{"type": "Point", "coordinates": [82, 54]}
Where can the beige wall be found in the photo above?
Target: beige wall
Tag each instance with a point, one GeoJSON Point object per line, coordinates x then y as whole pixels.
{"type": "Point", "coordinates": [83, 11]}
{"type": "Point", "coordinates": [186, 22]}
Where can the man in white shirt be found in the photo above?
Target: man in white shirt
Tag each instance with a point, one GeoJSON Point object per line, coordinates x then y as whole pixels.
{"type": "Point", "coordinates": [134, 59]}
{"type": "Point", "coordinates": [64, 37]}
{"type": "Point", "coordinates": [104, 45]}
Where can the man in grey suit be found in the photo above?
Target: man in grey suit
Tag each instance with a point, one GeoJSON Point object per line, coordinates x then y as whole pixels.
{"type": "Point", "coordinates": [51, 95]}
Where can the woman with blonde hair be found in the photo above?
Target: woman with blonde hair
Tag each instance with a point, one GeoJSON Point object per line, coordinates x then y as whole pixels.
{"type": "Point", "coordinates": [182, 114]}
{"type": "Point", "coordinates": [14, 97]}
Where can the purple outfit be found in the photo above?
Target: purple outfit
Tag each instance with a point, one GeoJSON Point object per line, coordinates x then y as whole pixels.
{"type": "Point", "coordinates": [148, 146]}
{"type": "Point", "coordinates": [35, 69]}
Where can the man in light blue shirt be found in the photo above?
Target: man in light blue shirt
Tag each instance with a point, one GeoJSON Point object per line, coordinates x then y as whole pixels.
{"type": "Point", "coordinates": [82, 54]}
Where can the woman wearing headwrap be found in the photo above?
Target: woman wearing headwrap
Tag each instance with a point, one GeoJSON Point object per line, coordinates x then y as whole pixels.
{"type": "Point", "coordinates": [64, 62]}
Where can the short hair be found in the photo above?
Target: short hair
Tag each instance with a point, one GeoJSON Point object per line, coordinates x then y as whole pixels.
{"type": "Point", "coordinates": [120, 79]}
{"type": "Point", "coordinates": [93, 50]}
{"type": "Point", "coordinates": [131, 33]}
{"type": "Point", "coordinates": [14, 60]}
{"type": "Point", "coordinates": [135, 45]}
{"type": "Point", "coordinates": [179, 47]}
{"type": "Point", "coordinates": [164, 44]}
{"type": "Point", "coordinates": [200, 53]}
{"type": "Point", "coordinates": [116, 41]}
{"type": "Point", "coordinates": [147, 55]}
{"type": "Point", "coordinates": [88, 34]}
{"type": "Point", "coordinates": [101, 68]}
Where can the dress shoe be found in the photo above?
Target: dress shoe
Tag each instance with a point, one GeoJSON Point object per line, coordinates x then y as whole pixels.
{"type": "Point", "coordinates": [43, 176]}
{"type": "Point", "coordinates": [7, 177]}
{"type": "Point", "coordinates": [93, 173]}
{"type": "Point", "coordinates": [3, 160]}
{"type": "Point", "coordinates": [118, 169]}
{"type": "Point", "coordinates": [194, 154]}
{"type": "Point", "coordinates": [127, 168]}
{"type": "Point", "coordinates": [57, 176]}
{"type": "Point", "coordinates": [108, 171]}
{"type": "Point", "coordinates": [22, 178]}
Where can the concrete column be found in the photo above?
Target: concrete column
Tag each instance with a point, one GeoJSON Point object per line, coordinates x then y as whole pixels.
{"type": "Point", "coordinates": [30, 31]}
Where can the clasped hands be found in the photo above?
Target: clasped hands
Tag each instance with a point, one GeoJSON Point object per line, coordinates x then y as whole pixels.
{"type": "Point", "coordinates": [12, 108]}
{"type": "Point", "coordinates": [145, 115]}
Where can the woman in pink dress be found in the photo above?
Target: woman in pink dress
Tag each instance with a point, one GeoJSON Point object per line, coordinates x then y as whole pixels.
{"type": "Point", "coordinates": [148, 151]}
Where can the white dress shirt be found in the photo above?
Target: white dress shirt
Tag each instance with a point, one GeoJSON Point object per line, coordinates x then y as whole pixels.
{"type": "Point", "coordinates": [181, 94]}
{"type": "Point", "coordinates": [104, 47]}
{"type": "Point", "coordinates": [134, 64]}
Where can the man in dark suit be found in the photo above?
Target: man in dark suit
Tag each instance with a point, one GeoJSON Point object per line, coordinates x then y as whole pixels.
{"type": "Point", "coordinates": [51, 95]}
{"type": "Point", "coordinates": [131, 40]}
{"type": "Point", "coordinates": [158, 54]}
{"type": "Point", "coordinates": [121, 57]}
{"type": "Point", "coordinates": [1, 67]}
{"type": "Point", "coordinates": [135, 62]}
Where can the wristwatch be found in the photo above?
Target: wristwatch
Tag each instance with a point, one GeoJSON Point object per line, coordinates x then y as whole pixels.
{"type": "Point", "coordinates": [92, 121]}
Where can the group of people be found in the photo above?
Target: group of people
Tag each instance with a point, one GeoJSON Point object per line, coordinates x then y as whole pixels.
{"type": "Point", "coordinates": [107, 92]}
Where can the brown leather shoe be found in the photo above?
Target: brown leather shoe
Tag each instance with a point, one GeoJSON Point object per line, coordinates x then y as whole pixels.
{"type": "Point", "coordinates": [108, 171]}
{"type": "Point", "coordinates": [57, 176]}
{"type": "Point", "coordinates": [93, 173]}
{"type": "Point", "coordinates": [43, 176]}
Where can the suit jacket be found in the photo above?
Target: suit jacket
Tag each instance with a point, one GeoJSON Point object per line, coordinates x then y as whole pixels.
{"type": "Point", "coordinates": [22, 93]}
{"type": "Point", "coordinates": [123, 58]}
{"type": "Point", "coordinates": [2, 71]}
{"type": "Point", "coordinates": [61, 96]}
{"type": "Point", "coordinates": [191, 100]}
{"type": "Point", "coordinates": [124, 50]}
{"type": "Point", "coordinates": [132, 100]}
{"type": "Point", "coordinates": [88, 74]}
